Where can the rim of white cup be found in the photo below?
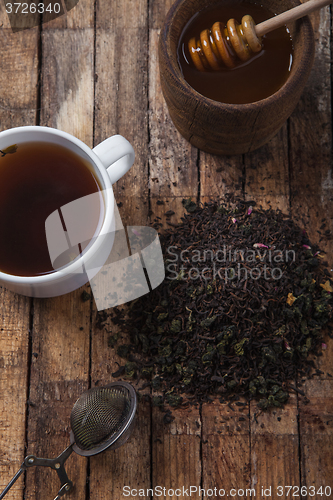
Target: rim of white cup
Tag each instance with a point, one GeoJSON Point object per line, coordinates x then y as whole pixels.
{"type": "Point", "coordinates": [76, 265]}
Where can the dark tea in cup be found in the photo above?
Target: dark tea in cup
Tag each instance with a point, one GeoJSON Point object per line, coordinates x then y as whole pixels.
{"type": "Point", "coordinates": [37, 179]}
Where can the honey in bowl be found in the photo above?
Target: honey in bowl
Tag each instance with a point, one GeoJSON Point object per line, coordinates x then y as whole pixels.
{"type": "Point", "coordinates": [259, 77]}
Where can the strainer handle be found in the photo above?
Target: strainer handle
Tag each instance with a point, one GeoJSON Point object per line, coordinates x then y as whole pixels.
{"type": "Point", "coordinates": [12, 481]}
{"type": "Point", "coordinates": [54, 463]}
{"type": "Point", "coordinates": [65, 488]}
{"type": "Point", "coordinates": [58, 465]}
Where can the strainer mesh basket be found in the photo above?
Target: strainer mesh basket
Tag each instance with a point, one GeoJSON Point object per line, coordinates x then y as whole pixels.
{"type": "Point", "coordinates": [99, 414]}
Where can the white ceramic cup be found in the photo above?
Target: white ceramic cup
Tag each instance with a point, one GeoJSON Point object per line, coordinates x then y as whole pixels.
{"type": "Point", "coordinates": [110, 160]}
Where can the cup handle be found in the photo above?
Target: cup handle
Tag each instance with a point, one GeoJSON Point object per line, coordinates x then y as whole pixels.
{"type": "Point", "coordinates": [117, 156]}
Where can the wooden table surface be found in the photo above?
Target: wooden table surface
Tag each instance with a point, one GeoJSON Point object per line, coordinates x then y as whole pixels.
{"type": "Point", "coordinates": [93, 73]}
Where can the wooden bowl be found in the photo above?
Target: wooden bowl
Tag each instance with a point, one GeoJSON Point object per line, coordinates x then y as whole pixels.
{"type": "Point", "coordinates": [230, 128]}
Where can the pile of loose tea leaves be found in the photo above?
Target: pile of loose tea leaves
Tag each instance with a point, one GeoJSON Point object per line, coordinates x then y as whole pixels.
{"type": "Point", "coordinates": [245, 300]}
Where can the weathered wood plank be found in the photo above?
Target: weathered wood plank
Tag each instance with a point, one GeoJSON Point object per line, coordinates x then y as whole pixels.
{"type": "Point", "coordinates": [18, 76]}
{"type": "Point", "coordinates": [225, 440]}
{"type": "Point", "coordinates": [311, 144]}
{"type": "Point", "coordinates": [274, 449]}
{"type": "Point", "coordinates": [18, 82]}
{"type": "Point", "coordinates": [67, 101]}
{"type": "Point", "coordinates": [128, 466]}
{"type": "Point", "coordinates": [176, 453]}
{"type": "Point", "coordinates": [121, 106]}
{"type": "Point", "coordinates": [225, 450]}
{"type": "Point", "coordinates": [274, 434]}
{"type": "Point", "coordinates": [61, 326]}
{"type": "Point", "coordinates": [316, 431]}
{"type": "Point", "coordinates": [312, 204]}
{"type": "Point", "coordinates": [176, 460]}
{"type": "Point", "coordinates": [121, 103]}
{"type": "Point", "coordinates": [79, 17]}
{"type": "Point", "coordinates": [59, 374]}
{"type": "Point", "coordinates": [220, 175]}
{"type": "Point", "coordinates": [267, 173]}
{"type": "Point", "coordinates": [14, 348]}
{"type": "Point", "coordinates": [4, 19]}
{"type": "Point", "coordinates": [172, 161]}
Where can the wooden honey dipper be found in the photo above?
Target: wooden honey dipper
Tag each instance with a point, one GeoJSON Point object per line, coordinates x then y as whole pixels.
{"type": "Point", "coordinates": [223, 45]}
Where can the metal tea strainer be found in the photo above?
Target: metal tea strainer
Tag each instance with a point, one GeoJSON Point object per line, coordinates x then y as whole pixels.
{"type": "Point", "coordinates": [101, 418]}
